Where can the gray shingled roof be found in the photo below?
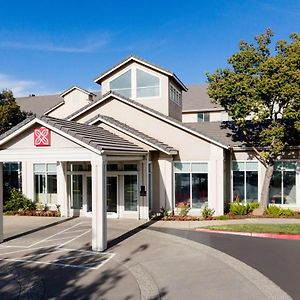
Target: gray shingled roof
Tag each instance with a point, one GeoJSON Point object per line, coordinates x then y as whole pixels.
{"type": "Point", "coordinates": [96, 137]}
{"type": "Point", "coordinates": [146, 62]}
{"type": "Point", "coordinates": [38, 104]}
{"type": "Point", "coordinates": [218, 131]}
{"type": "Point", "coordinates": [41, 104]}
{"type": "Point", "coordinates": [134, 132]}
{"type": "Point", "coordinates": [197, 99]}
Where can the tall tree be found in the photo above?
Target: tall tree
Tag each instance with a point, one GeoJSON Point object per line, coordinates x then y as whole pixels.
{"type": "Point", "coordinates": [10, 113]}
{"type": "Point", "coordinates": [260, 90]}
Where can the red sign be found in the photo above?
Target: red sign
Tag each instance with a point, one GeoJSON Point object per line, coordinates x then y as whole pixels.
{"type": "Point", "coordinates": [41, 136]}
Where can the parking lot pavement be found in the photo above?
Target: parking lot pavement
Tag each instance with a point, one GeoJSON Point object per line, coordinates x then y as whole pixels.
{"type": "Point", "coordinates": [56, 263]}
{"type": "Point", "coordinates": [16, 225]}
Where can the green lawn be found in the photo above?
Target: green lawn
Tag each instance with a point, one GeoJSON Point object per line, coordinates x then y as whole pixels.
{"type": "Point", "coordinates": [260, 228]}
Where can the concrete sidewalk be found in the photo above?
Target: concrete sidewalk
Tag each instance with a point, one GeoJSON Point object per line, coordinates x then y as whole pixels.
{"type": "Point", "coordinates": [144, 264]}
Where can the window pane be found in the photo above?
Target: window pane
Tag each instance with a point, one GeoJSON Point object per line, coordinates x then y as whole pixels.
{"type": "Point", "coordinates": [238, 166]}
{"type": "Point", "coordinates": [51, 168]}
{"type": "Point", "coordinates": [144, 79]}
{"type": "Point", "coordinates": [121, 82]}
{"type": "Point", "coordinates": [289, 187]}
{"type": "Point", "coordinates": [147, 92]}
{"type": "Point", "coordinates": [112, 167]}
{"type": "Point", "coordinates": [182, 167]}
{"type": "Point", "coordinates": [238, 186]}
{"type": "Point", "coordinates": [199, 190]}
{"type": "Point", "coordinates": [124, 92]}
{"type": "Point", "coordinates": [289, 165]}
{"type": "Point", "coordinates": [200, 167]}
{"type": "Point", "coordinates": [182, 188]}
{"type": "Point", "coordinates": [200, 117]}
{"type": "Point", "coordinates": [251, 166]}
{"type": "Point", "coordinates": [77, 191]}
{"type": "Point", "coordinates": [39, 167]}
{"type": "Point", "coordinates": [275, 193]}
{"type": "Point", "coordinates": [52, 189]}
{"type": "Point", "coordinates": [40, 188]}
{"type": "Point", "coordinates": [251, 186]}
{"type": "Point", "coordinates": [206, 117]}
{"type": "Point", "coordinates": [130, 167]}
{"type": "Point", "coordinates": [130, 192]}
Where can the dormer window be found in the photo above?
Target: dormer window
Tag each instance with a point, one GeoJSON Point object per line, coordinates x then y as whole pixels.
{"type": "Point", "coordinates": [147, 85]}
{"type": "Point", "coordinates": [122, 84]}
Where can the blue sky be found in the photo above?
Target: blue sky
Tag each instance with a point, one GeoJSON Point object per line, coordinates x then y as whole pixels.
{"type": "Point", "coordinates": [47, 46]}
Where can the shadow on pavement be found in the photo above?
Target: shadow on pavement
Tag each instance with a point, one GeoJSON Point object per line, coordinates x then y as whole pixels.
{"type": "Point", "coordinates": [37, 229]}
{"type": "Point", "coordinates": [128, 234]}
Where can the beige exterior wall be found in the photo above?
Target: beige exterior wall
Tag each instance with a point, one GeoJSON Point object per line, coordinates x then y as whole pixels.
{"type": "Point", "coordinates": [190, 147]}
{"type": "Point", "coordinates": [215, 116]}
{"type": "Point", "coordinates": [189, 117]}
{"type": "Point", "coordinates": [72, 102]}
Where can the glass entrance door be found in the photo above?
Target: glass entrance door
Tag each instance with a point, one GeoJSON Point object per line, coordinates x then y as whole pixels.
{"type": "Point", "coordinates": [130, 193]}
{"type": "Point", "coordinates": [112, 194]}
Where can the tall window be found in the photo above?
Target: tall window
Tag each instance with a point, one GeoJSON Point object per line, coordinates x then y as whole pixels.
{"type": "Point", "coordinates": [45, 183]}
{"type": "Point", "coordinates": [12, 177]}
{"type": "Point", "coordinates": [122, 84]}
{"type": "Point", "coordinates": [191, 184]}
{"type": "Point", "coordinates": [203, 117]}
{"type": "Point", "coordinates": [283, 183]}
{"type": "Point", "coordinates": [147, 85]}
{"type": "Point", "coordinates": [175, 95]}
{"type": "Point", "coordinates": [245, 181]}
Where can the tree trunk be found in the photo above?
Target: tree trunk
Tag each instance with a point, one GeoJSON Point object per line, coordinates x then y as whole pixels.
{"type": "Point", "coordinates": [264, 196]}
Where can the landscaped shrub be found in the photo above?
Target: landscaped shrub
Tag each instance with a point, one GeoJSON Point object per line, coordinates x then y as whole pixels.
{"type": "Point", "coordinates": [276, 211]}
{"type": "Point", "coordinates": [273, 210]}
{"type": "Point", "coordinates": [287, 212]}
{"type": "Point", "coordinates": [163, 212]}
{"type": "Point", "coordinates": [183, 208]}
{"type": "Point", "coordinates": [207, 213]}
{"type": "Point", "coordinates": [17, 201]}
{"type": "Point", "coordinates": [239, 209]}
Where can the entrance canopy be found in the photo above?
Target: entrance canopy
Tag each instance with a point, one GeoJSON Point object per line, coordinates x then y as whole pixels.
{"type": "Point", "coordinates": [45, 139]}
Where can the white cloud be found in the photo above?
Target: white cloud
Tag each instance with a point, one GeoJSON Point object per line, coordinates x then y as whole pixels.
{"type": "Point", "coordinates": [21, 87]}
{"type": "Point", "coordinates": [37, 42]}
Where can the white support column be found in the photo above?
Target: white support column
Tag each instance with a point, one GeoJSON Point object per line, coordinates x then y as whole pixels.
{"type": "Point", "coordinates": [28, 179]}
{"type": "Point", "coordinates": [1, 202]}
{"type": "Point", "coordinates": [99, 210]}
{"type": "Point", "coordinates": [165, 182]}
{"type": "Point", "coordinates": [62, 197]}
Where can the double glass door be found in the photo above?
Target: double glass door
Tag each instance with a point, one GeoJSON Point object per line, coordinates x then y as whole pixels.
{"type": "Point", "coordinates": [122, 195]}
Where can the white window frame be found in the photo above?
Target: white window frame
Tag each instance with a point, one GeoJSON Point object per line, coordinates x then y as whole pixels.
{"type": "Point", "coordinates": [177, 94]}
{"type": "Point", "coordinates": [190, 173]}
{"type": "Point", "coordinates": [205, 113]}
{"type": "Point", "coordinates": [245, 170]}
{"type": "Point", "coordinates": [297, 184]}
{"type": "Point", "coordinates": [133, 69]}
{"type": "Point", "coordinates": [46, 175]}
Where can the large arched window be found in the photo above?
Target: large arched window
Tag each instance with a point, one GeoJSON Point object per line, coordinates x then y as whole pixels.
{"type": "Point", "coordinates": [122, 84]}
{"type": "Point", "coordinates": [147, 85]}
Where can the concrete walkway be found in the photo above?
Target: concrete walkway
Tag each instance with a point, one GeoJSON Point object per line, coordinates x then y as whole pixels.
{"type": "Point", "coordinates": [140, 264]}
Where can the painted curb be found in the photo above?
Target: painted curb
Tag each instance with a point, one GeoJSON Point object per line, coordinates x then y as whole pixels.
{"type": "Point", "coordinates": [281, 236]}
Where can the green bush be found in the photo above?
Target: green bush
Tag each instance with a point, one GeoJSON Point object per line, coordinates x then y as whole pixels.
{"type": "Point", "coordinates": [239, 209]}
{"type": "Point", "coordinates": [273, 210]}
{"type": "Point", "coordinates": [287, 212]}
{"type": "Point", "coordinates": [183, 208]}
{"type": "Point", "coordinates": [17, 201]}
{"type": "Point", "coordinates": [276, 211]}
{"type": "Point", "coordinates": [207, 213]}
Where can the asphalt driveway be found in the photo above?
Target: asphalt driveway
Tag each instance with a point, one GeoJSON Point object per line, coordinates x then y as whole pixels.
{"type": "Point", "coordinates": [140, 263]}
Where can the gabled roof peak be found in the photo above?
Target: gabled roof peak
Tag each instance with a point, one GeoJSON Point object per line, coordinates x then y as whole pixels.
{"type": "Point", "coordinates": [144, 62]}
{"type": "Point", "coordinates": [75, 87]}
